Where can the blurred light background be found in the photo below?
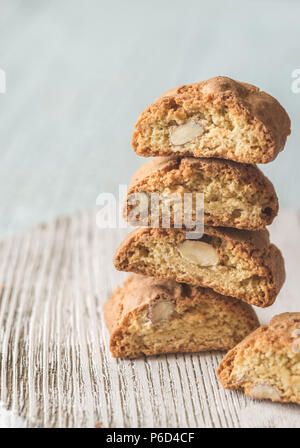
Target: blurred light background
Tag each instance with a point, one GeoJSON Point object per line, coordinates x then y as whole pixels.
{"type": "Point", "coordinates": [80, 72]}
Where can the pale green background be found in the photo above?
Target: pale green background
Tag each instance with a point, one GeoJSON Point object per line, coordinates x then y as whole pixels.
{"type": "Point", "coordinates": [79, 72]}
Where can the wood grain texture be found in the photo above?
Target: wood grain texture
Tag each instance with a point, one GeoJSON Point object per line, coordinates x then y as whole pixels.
{"type": "Point", "coordinates": [55, 367]}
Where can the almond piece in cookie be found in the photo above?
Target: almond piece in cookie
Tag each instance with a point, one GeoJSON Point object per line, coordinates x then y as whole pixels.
{"type": "Point", "coordinates": [148, 316]}
{"type": "Point", "coordinates": [235, 195]}
{"type": "Point", "coordinates": [264, 365]}
{"type": "Point", "coordinates": [236, 263]}
{"type": "Point", "coordinates": [199, 253]}
{"type": "Point", "coordinates": [219, 118]}
{"type": "Point", "coordinates": [185, 133]}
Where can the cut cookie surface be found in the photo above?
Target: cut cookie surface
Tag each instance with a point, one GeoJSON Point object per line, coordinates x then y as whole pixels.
{"type": "Point", "coordinates": [235, 195]}
{"type": "Point", "coordinates": [266, 364]}
{"type": "Point", "coordinates": [148, 316]}
{"type": "Point", "coordinates": [236, 263]}
{"type": "Point", "coordinates": [219, 118]}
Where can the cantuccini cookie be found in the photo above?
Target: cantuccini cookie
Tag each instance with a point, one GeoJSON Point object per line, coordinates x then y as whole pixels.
{"type": "Point", "coordinates": [237, 263]}
{"type": "Point", "coordinates": [267, 363]}
{"type": "Point", "coordinates": [235, 195]}
{"type": "Point", "coordinates": [151, 316]}
{"type": "Point", "coordinates": [219, 118]}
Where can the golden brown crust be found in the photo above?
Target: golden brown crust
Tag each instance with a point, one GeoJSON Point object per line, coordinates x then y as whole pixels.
{"type": "Point", "coordinates": [265, 117]}
{"type": "Point", "coordinates": [139, 293]}
{"type": "Point", "coordinates": [254, 247]}
{"type": "Point", "coordinates": [185, 166]}
{"type": "Point", "coordinates": [273, 340]}
{"type": "Point", "coordinates": [169, 173]}
{"type": "Point", "coordinates": [251, 241]}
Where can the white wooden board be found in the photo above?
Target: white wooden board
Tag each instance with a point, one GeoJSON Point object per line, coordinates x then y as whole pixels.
{"type": "Point", "coordinates": [55, 367]}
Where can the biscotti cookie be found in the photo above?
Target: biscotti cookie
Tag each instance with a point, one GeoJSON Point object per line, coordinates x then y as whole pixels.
{"type": "Point", "coordinates": [267, 363]}
{"type": "Point", "coordinates": [235, 263]}
{"type": "Point", "coordinates": [235, 194]}
{"type": "Point", "coordinates": [150, 316]}
{"type": "Point", "coordinates": [216, 118]}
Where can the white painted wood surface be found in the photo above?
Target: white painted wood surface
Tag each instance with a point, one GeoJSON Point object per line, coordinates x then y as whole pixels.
{"type": "Point", "coordinates": [55, 367]}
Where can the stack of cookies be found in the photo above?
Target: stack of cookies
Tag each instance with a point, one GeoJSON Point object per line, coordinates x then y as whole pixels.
{"type": "Point", "coordinates": [189, 291]}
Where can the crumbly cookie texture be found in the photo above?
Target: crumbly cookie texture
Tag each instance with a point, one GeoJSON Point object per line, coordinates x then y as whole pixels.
{"type": "Point", "coordinates": [266, 365]}
{"type": "Point", "coordinates": [151, 316]}
{"type": "Point", "coordinates": [235, 195]}
{"type": "Point", "coordinates": [219, 118]}
{"type": "Point", "coordinates": [236, 263]}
